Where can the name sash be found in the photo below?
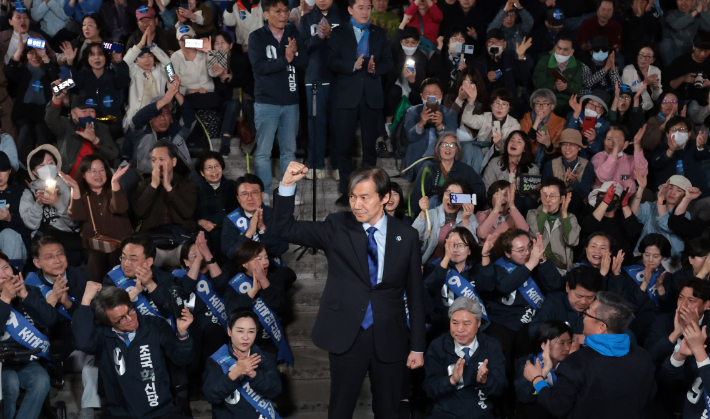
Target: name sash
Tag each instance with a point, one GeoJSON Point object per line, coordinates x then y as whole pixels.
{"type": "Point", "coordinates": [552, 370]}
{"type": "Point", "coordinates": [463, 288]}
{"type": "Point", "coordinates": [242, 284]}
{"type": "Point", "coordinates": [213, 301]}
{"type": "Point", "coordinates": [26, 333]}
{"type": "Point", "coordinates": [529, 290]}
{"type": "Point", "coordinates": [262, 405]}
{"type": "Point", "coordinates": [142, 304]}
{"type": "Point", "coordinates": [636, 273]}
{"type": "Point", "coordinates": [241, 222]}
{"type": "Point", "coordinates": [34, 280]}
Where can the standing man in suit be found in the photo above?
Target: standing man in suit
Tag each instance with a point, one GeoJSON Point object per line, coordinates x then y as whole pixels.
{"type": "Point", "coordinates": [358, 53]}
{"type": "Point", "coordinates": [373, 259]}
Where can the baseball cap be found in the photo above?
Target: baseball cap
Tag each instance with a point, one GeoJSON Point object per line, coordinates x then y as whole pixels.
{"type": "Point", "coordinates": [144, 11]}
{"type": "Point", "coordinates": [183, 31]}
{"type": "Point", "coordinates": [555, 17]}
{"type": "Point", "coordinates": [82, 101]}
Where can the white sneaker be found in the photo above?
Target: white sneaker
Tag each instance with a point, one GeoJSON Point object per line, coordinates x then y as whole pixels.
{"type": "Point", "coordinates": [309, 174]}
{"type": "Point", "coordinates": [336, 174]}
{"type": "Point", "coordinates": [388, 125]}
{"type": "Point", "coordinates": [267, 199]}
{"type": "Point", "coordinates": [298, 201]}
{"type": "Point", "coordinates": [321, 174]}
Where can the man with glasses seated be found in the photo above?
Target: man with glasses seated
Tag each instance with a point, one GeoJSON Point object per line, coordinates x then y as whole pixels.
{"type": "Point", "coordinates": [607, 368]}
{"type": "Point", "coordinates": [63, 287]}
{"type": "Point", "coordinates": [132, 349]}
{"type": "Point", "coordinates": [252, 220]}
{"type": "Point", "coordinates": [147, 285]}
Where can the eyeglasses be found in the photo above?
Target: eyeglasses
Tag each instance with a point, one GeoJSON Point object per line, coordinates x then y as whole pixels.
{"type": "Point", "coordinates": [625, 99]}
{"type": "Point", "coordinates": [596, 107]}
{"type": "Point", "coordinates": [211, 168]}
{"type": "Point", "coordinates": [52, 258]}
{"type": "Point", "coordinates": [542, 105]}
{"type": "Point", "coordinates": [551, 196]}
{"type": "Point", "coordinates": [124, 319]}
{"type": "Point", "coordinates": [679, 129]}
{"type": "Point", "coordinates": [600, 50]}
{"type": "Point", "coordinates": [524, 251]}
{"type": "Point", "coordinates": [500, 105]}
{"type": "Point", "coordinates": [450, 145]}
{"type": "Point", "coordinates": [646, 57]}
{"type": "Point", "coordinates": [669, 102]}
{"type": "Point", "coordinates": [460, 246]}
{"type": "Point", "coordinates": [253, 194]}
{"type": "Point", "coordinates": [586, 313]}
{"type": "Point", "coordinates": [129, 260]}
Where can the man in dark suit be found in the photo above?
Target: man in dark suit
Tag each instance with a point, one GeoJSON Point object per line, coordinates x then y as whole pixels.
{"type": "Point", "coordinates": [373, 259]}
{"type": "Point", "coordinates": [359, 53]}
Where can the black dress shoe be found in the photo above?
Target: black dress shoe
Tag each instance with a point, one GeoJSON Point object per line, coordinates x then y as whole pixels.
{"type": "Point", "coordinates": [382, 151]}
{"type": "Point", "coordinates": [343, 201]}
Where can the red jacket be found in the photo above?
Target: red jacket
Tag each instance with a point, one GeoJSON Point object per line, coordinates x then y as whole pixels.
{"type": "Point", "coordinates": [430, 21]}
{"type": "Point", "coordinates": [590, 28]}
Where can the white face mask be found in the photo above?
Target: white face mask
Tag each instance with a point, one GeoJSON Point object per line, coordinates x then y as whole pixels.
{"type": "Point", "coordinates": [409, 50]}
{"type": "Point", "coordinates": [680, 138]}
{"type": "Point", "coordinates": [591, 113]}
{"type": "Point", "coordinates": [453, 46]}
{"type": "Point", "coordinates": [561, 58]}
{"type": "Point", "coordinates": [47, 172]}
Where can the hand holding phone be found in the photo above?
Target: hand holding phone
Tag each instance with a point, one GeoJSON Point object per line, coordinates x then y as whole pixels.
{"type": "Point", "coordinates": [170, 72]}
{"type": "Point", "coordinates": [35, 43]}
{"type": "Point", "coordinates": [463, 198]}
{"type": "Point", "coordinates": [63, 86]}
{"type": "Point", "coordinates": [193, 43]}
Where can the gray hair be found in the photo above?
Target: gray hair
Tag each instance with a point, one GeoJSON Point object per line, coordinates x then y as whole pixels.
{"type": "Point", "coordinates": [543, 94]}
{"type": "Point", "coordinates": [440, 139]}
{"type": "Point", "coordinates": [107, 299]}
{"type": "Point", "coordinates": [467, 304]}
{"type": "Point", "coordinates": [155, 99]}
{"type": "Point", "coordinates": [614, 311]}
{"type": "Point", "coordinates": [378, 175]}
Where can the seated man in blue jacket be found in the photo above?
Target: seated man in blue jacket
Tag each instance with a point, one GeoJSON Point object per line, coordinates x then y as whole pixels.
{"type": "Point", "coordinates": [424, 123]}
{"type": "Point", "coordinates": [607, 368]}
{"type": "Point", "coordinates": [132, 349]}
{"type": "Point", "coordinates": [464, 368]}
{"type": "Point", "coordinates": [252, 220]}
{"type": "Point", "coordinates": [583, 284]}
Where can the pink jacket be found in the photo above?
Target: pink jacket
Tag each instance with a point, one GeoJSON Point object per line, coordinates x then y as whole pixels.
{"type": "Point", "coordinates": [621, 169]}
{"type": "Point", "coordinates": [430, 21]}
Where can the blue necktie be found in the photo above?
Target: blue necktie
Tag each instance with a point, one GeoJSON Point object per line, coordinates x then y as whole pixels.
{"type": "Point", "coordinates": [125, 337]}
{"type": "Point", "coordinates": [372, 265]}
{"type": "Point", "coordinates": [466, 354]}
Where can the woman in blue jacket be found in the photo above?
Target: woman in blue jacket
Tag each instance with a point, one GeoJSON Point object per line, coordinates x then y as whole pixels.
{"type": "Point", "coordinates": [240, 373]}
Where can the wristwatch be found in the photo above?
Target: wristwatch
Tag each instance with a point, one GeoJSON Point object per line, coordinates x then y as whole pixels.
{"type": "Point", "coordinates": [262, 231]}
{"type": "Point", "coordinates": [210, 262]}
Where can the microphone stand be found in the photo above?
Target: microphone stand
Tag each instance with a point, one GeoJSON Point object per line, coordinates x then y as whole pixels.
{"type": "Point", "coordinates": [314, 101]}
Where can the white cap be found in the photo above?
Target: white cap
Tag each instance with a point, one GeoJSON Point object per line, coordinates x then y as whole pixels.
{"type": "Point", "coordinates": [602, 189]}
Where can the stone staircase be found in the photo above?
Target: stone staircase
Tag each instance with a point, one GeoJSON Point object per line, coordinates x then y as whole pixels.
{"type": "Point", "coordinates": [306, 388]}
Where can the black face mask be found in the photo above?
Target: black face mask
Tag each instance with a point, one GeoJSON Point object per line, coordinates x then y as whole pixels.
{"type": "Point", "coordinates": [494, 50]}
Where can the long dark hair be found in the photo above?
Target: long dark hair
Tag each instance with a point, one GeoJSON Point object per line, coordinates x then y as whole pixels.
{"type": "Point", "coordinates": [87, 53]}
{"type": "Point", "coordinates": [527, 160]}
{"type": "Point", "coordinates": [476, 79]}
{"type": "Point", "coordinates": [467, 237]}
{"type": "Point", "coordinates": [401, 209]}
{"type": "Point", "coordinates": [85, 166]}
{"type": "Point", "coordinates": [697, 247]}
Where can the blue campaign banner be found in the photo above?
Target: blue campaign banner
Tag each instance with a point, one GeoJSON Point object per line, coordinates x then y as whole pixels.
{"type": "Point", "coordinates": [463, 288]}
{"type": "Point", "coordinates": [636, 273]}
{"type": "Point", "coordinates": [213, 301]}
{"type": "Point", "coordinates": [542, 364]}
{"type": "Point", "coordinates": [529, 290]}
{"type": "Point", "coordinates": [26, 334]}
{"type": "Point", "coordinates": [35, 281]}
{"type": "Point", "coordinates": [262, 405]}
{"type": "Point", "coordinates": [240, 221]}
{"type": "Point", "coordinates": [141, 303]}
{"type": "Point", "coordinates": [242, 284]}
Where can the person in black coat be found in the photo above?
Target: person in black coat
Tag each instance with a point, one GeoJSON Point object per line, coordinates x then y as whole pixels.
{"type": "Point", "coordinates": [358, 66]}
{"type": "Point", "coordinates": [268, 284]}
{"type": "Point", "coordinates": [401, 80]}
{"type": "Point", "coordinates": [464, 368]}
{"type": "Point", "coordinates": [130, 347]}
{"type": "Point", "coordinates": [225, 390]}
{"type": "Point", "coordinates": [695, 264]}
{"type": "Point", "coordinates": [362, 319]}
{"type": "Point", "coordinates": [509, 306]}
{"type": "Point", "coordinates": [238, 227]}
{"type": "Point", "coordinates": [460, 258]}
{"type": "Point", "coordinates": [545, 37]}
{"type": "Point", "coordinates": [583, 283]}
{"type": "Point", "coordinates": [553, 343]}
{"type": "Point", "coordinates": [501, 67]}
{"type": "Point", "coordinates": [26, 371]}
{"type": "Point", "coordinates": [449, 59]}
{"type": "Point", "coordinates": [607, 368]}
{"type": "Point", "coordinates": [469, 15]}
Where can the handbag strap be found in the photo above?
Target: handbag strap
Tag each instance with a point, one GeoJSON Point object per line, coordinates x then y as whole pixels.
{"type": "Point", "coordinates": [421, 26]}
{"type": "Point", "coordinates": [92, 216]}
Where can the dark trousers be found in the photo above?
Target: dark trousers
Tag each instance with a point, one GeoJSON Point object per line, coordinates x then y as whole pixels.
{"type": "Point", "coordinates": [347, 373]}
{"type": "Point", "coordinates": [346, 120]}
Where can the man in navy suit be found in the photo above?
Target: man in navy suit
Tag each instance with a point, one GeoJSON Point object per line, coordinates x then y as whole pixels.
{"type": "Point", "coordinates": [358, 53]}
{"type": "Point", "coordinates": [373, 259]}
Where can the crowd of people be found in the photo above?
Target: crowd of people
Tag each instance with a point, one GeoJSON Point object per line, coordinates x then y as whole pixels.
{"type": "Point", "coordinates": [547, 256]}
